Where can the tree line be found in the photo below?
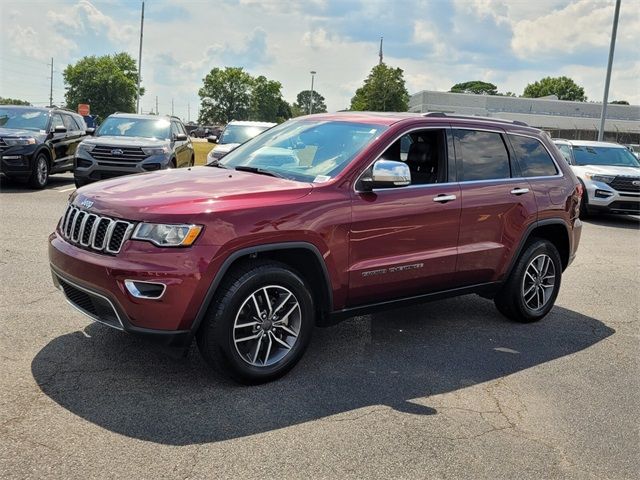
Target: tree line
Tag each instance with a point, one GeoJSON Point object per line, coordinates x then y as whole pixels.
{"type": "Point", "coordinates": [109, 84]}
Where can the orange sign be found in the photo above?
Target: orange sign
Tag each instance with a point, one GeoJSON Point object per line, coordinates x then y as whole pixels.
{"type": "Point", "coordinates": [83, 109]}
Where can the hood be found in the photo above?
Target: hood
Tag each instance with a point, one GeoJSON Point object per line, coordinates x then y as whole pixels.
{"type": "Point", "coordinates": [606, 170]}
{"type": "Point", "coordinates": [121, 141]}
{"type": "Point", "coordinates": [16, 132]}
{"type": "Point", "coordinates": [226, 147]}
{"type": "Point", "coordinates": [185, 192]}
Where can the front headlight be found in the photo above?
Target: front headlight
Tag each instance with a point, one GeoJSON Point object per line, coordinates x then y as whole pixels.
{"type": "Point", "coordinates": [599, 178]}
{"type": "Point", "coordinates": [155, 150]}
{"type": "Point", "coordinates": [20, 141]}
{"type": "Point", "coordinates": [164, 235]}
{"type": "Point", "coordinates": [87, 147]}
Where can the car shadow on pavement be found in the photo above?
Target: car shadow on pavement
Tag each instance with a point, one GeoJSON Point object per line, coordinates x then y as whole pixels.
{"type": "Point", "coordinates": [134, 388]}
{"type": "Point", "coordinates": [616, 221]}
{"type": "Point", "coordinates": [8, 185]}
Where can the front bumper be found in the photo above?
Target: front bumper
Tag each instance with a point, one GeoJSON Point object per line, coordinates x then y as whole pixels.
{"type": "Point", "coordinates": [602, 198]}
{"type": "Point", "coordinates": [94, 283]}
{"type": "Point", "coordinates": [17, 161]}
{"type": "Point", "coordinates": [87, 169]}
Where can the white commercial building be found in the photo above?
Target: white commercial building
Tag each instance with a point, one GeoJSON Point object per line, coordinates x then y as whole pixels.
{"type": "Point", "coordinates": [563, 119]}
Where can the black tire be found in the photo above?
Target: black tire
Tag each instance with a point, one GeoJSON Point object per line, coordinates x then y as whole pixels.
{"type": "Point", "coordinates": [584, 207]}
{"type": "Point", "coordinates": [39, 172]}
{"type": "Point", "coordinates": [512, 302]}
{"type": "Point", "coordinates": [192, 162]}
{"type": "Point", "coordinates": [215, 337]}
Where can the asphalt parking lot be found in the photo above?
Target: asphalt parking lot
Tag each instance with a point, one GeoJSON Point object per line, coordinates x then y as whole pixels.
{"type": "Point", "coordinates": [448, 389]}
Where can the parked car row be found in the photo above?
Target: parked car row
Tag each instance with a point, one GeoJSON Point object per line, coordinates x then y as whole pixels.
{"type": "Point", "coordinates": [38, 142]}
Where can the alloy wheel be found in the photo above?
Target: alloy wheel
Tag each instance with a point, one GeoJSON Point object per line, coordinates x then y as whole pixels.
{"type": "Point", "coordinates": [539, 281]}
{"type": "Point", "coordinates": [42, 171]}
{"type": "Point", "coordinates": [267, 326]}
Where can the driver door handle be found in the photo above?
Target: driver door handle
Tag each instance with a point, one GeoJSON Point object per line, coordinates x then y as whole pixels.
{"type": "Point", "coordinates": [444, 198]}
{"type": "Point", "coordinates": [519, 191]}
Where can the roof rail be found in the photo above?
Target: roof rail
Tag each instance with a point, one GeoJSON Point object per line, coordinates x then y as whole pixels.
{"type": "Point", "coordinates": [474, 117]}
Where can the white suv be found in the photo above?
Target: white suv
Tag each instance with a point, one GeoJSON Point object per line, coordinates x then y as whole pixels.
{"type": "Point", "coordinates": [609, 172]}
{"type": "Point", "coordinates": [235, 133]}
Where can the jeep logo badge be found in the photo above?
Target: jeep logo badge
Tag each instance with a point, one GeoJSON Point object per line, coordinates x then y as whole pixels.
{"type": "Point", "coordinates": [116, 151]}
{"type": "Point", "coordinates": [86, 203]}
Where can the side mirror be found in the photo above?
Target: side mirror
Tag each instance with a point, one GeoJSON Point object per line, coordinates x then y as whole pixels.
{"type": "Point", "coordinates": [386, 174]}
{"type": "Point", "coordinates": [212, 139]}
{"type": "Point", "coordinates": [90, 131]}
{"type": "Point", "coordinates": [60, 129]}
{"type": "Point", "coordinates": [181, 137]}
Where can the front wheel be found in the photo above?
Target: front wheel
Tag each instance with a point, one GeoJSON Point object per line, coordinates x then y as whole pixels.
{"type": "Point", "coordinates": [531, 290]}
{"type": "Point", "coordinates": [40, 172]}
{"type": "Point", "coordinates": [259, 324]}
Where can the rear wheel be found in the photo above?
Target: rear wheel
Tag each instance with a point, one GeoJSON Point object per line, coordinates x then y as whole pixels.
{"type": "Point", "coordinates": [531, 290]}
{"type": "Point", "coordinates": [584, 207]}
{"type": "Point", "coordinates": [39, 172]}
{"type": "Point", "coordinates": [259, 325]}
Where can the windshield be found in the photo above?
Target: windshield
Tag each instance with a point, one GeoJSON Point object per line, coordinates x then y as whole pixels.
{"type": "Point", "coordinates": [21, 118]}
{"type": "Point", "coordinates": [135, 127]}
{"type": "Point", "coordinates": [619, 157]}
{"type": "Point", "coordinates": [240, 133]}
{"type": "Point", "coordinates": [304, 150]}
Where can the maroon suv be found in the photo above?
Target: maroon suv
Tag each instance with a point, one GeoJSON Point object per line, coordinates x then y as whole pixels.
{"type": "Point", "coordinates": [321, 218]}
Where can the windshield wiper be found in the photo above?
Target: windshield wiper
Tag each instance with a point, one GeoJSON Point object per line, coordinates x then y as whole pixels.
{"type": "Point", "coordinates": [261, 171]}
{"type": "Point", "coordinates": [216, 163]}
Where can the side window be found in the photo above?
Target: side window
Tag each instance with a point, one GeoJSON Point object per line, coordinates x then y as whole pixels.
{"type": "Point", "coordinates": [481, 156]}
{"type": "Point", "coordinates": [80, 122]}
{"type": "Point", "coordinates": [56, 121]}
{"type": "Point", "coordinates": [533, 158]}
{"type": "Point", "coordinates": [69, 123]}
{"type": "Point", "coordinates": [565, 150]}
{"type": "Point", "coordinates": [424, 152]}
{"type": "Point", "coordinates": [174, 129]}
{"type": "Point", "coordinates": [181, 128]}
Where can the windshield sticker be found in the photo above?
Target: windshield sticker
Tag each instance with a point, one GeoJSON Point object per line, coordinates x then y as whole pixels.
{"type": "Point", "coordinates": [321, 179]}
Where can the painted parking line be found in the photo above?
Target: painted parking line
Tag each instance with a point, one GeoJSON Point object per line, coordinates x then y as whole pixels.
{"type": "Point", "coordinates": [65, 189]}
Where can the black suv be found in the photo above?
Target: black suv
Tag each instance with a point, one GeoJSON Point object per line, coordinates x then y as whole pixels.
{"type": "Point", "coordinates": [128, 143]}
{"type": "Point", "coordinates": [36, 142]}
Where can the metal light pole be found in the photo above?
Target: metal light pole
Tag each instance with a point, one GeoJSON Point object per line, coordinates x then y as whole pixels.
{"type": "Point", "coordinates": [313, 73]}
{"type": "Point", "coordinates": [612, 47]}
{"type": "Point", "coordinates": [140, 61]}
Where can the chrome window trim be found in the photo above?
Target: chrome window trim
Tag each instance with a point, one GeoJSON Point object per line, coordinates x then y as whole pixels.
{"type": "Point", "coordinates": [395, 139]}
{"type": "Point", "coordinates": [90, 292]}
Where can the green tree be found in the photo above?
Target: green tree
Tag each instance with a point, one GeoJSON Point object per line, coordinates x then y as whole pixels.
{"type": "Point", "coordinates": [302, 103]}
{"type": "Point", "coordinates": [107, 83]}
{"type": "Point", "coordinates": [562, 87]}
{"type": "Point", "coordinates": [475, 86]}
{"type": "Point", "coordinates": [284, 111]}
{"type": "Point", "coordinates": [266, 100]}
{"type": "Point", "coordinates": [383, 91]}
{"type": "Point", "coordinates": [13, 101]}
{"type": "Point", "coordinates": [225, 95]}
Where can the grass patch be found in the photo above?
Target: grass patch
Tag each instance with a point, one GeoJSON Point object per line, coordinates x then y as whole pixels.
{"type": "Point", "coordinates": [201, 150]}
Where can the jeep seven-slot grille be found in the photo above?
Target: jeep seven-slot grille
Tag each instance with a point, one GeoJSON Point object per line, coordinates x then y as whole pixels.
{"type": "Point", "coordinates": [111, 155]}
{"type": "Point", "coordinates": [94, 232]}
{"type": "Point", "coordinates": [626, 184]}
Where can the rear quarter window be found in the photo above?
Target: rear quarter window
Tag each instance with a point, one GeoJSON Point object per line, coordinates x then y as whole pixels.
{"type": "Point", "coordinates": [533, 158]}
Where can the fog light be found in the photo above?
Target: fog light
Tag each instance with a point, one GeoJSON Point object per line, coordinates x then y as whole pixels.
{"type": "Point", "coordinates": [149, 290]}
{"type": "Point", "coordinates": [151, 166]}
{"type": "Point", "coordinates": [603, 194]}
{"type": "Point", "coordinates": [81, 162]}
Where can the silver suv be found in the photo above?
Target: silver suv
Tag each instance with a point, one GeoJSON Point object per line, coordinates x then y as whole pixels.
{"type": "Point", "coordinates": [609, 172]}
{"type": "Point", "coordinates": [235, 133]}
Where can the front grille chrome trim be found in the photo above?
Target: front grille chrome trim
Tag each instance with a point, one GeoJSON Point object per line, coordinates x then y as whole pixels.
{"type": "Point", "coordinates": [76, 218]}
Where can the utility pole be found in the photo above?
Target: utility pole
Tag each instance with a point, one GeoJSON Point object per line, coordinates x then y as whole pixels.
{"type": "Point", "coordinates": [612, 47]}
{"type": "Point", "coordinates": [140, 61]}
{"type": "Point", "coordinates": [157, 113]}
{"type": "Point", "coordinates": [172, 107]}
{"type": "Point", "coordinates": [313, 74]}
{"type": "Point", "coordinates": [51, 85]}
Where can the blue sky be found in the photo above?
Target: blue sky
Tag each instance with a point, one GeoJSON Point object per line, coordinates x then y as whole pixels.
{"type": "Point", "coordinates": [436, 42]}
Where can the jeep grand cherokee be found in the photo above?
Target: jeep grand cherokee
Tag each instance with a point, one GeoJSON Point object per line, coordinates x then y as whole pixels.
{"type": "Point", "coordinates": [320, 218]}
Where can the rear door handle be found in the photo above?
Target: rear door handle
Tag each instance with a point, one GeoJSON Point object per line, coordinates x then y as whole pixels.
{"type": "Point", "coordinates": [444, 198]}
{"type": "Point", "coordinates": [519, 191]}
